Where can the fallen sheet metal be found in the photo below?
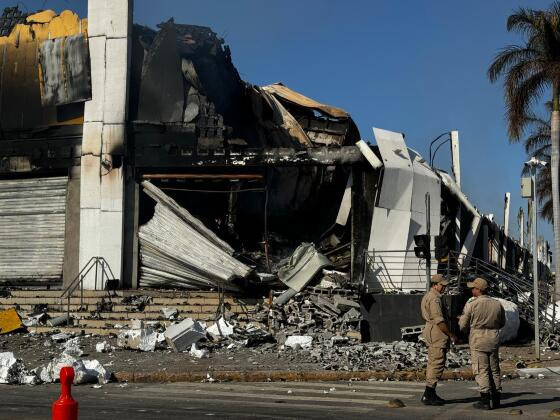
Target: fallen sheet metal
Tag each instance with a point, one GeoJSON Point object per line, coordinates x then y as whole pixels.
{"type": "Point", "coordinates": [425, 181]}
{"type": "Point", "coordinates": [284, 119]}
{"type": "Point", "coordinates": [177, 250]}
{"type": "Point", "coordinates": [289, 95]}
{"type": "Point", "coordinates": [9, 321]}
{"type": "Point", "coordinates": [396, 190]}
{"type": "Point", "coordinates": [346, 203]}
{"type": "Point", "coordinates": [302, 266]}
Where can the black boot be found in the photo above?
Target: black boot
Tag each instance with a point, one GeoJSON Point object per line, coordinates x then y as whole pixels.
{"type": "Point", "coordinates": [484, 403]}
{"type": "Point", "coordinates": [496, 399]}
{"type": "Point", "coordinates": [430, 397]}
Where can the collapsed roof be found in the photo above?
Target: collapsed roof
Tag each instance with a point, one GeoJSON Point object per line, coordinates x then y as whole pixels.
{"type": "Point", "coordinates": [183, 75]}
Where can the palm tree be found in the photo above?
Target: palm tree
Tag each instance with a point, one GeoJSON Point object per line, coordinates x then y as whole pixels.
{"type": "Point", "coordinates": [538, 144]}
{"type": "Point", "coordinates": [531, 70]}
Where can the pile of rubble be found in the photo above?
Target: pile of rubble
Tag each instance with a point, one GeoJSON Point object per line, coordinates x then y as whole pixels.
{"type": "Point", "coordinates": [14, 371]}
{"type": "Point", "coordinates": [337, 354]}
{"type": "Point", "coordinates": [319, 313]}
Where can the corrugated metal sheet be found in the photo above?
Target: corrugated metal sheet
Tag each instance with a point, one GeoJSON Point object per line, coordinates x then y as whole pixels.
{"type": "Point", "coordinates": [177, 250]}
{"type": "Point", "coordinates": [32, 221]}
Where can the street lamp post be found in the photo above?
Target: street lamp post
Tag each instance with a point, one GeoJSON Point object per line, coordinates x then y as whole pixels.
{"type": "Point", "coordinates": [533, 163]}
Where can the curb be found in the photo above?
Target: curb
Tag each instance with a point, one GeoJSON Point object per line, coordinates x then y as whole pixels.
{"type": "Point", "coordinates": [277, 376]}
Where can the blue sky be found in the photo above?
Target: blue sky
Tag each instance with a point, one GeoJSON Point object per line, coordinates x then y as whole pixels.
{"type": "Point", "coordinates": [418, 67]}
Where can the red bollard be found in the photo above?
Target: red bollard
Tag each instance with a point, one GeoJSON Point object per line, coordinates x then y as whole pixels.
{"type": "Point", "coordinates": [65, 408]}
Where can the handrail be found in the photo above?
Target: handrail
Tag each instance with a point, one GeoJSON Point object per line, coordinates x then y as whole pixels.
{"type": "Point", "coordinates": [79, 281]}
{"type": "Point", "coordinates": [512, 284]}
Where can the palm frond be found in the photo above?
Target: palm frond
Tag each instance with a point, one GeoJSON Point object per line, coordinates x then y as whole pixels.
{"type": "Point", "coordinates": [519, 98]}
{"type": "Point", "coordinates": [524, 21]}
{"type": "Point", "coordinates": [509, 57]}
{"type": "Point", "coordinates": [546, 211]}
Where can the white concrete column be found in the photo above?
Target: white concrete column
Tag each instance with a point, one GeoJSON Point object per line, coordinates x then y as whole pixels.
{"type": "Point", "coordinates": [506, 229]}
{"type": "Point", "coordinates": [104, 135]}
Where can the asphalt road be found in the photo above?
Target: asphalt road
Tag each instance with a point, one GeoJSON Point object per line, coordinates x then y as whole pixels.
{"type": "Point", "coordinates": [274, 400]}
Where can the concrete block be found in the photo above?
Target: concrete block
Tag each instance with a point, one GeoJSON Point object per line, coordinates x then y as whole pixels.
{"type": "Point", "coordinates": [111, 236]}
{"type": "Point", "coordinates": [113, 138]}
{"type": "Point", "coordinates": [116, 79]}
{"type": "Point", "coordinates": [345, 304]}
{"type": "Point", "coordinates": [140, 337]}
{"type": "Point", "coordinates": [97, 17]}
{"type": "Point", "coordinates": [90, 182]}
{"type": "Point", "coordinates": [118, 16]}
{"type": "Point", "coordinates": [222, 328]}
{"type": "Point", "coordinates": [92, 138]}
{"type": "Point", "coordinates": [181, 337]}
{"type": "Point", "coordinates": [93, 109]}
{"type": "Point", "coordinates": [299, 341]}
{"type": "Point", "coordinates": [112, 190]}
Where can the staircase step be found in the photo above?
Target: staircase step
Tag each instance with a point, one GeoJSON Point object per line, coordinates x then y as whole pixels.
{"type": "Point", "coordinates": [77, 330]}
{"type": "Point", "coordinates": [182, 309]}
{"type": "Point", "coordinates": [93, 300]}
{"type": "Point", "coordinates": [58, 293]}
{"type": "Point", "coordinates": [129, 316]}
{"type": "Point", "coordinates": [111, 323]}
{"type": "Point", "coordinates": [164, 294]}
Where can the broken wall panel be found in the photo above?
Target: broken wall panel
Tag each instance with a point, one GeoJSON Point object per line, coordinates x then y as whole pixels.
{"type": "Point", "coordinates": [177, 250]}
{"type": "Point", "coordinates": [396, 190]}
{"type": "Point", "coordinates": [65, 70]}
{"type": "Point", "coordinates": [389, 233]}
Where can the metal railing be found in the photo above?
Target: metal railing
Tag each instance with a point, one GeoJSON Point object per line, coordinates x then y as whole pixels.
{"type": "Point", "coordinates": [397, 271]}
{"type": "Point", "coordinates": [101, 269]}
{"type": "Point", "coordinates": [401, 271]}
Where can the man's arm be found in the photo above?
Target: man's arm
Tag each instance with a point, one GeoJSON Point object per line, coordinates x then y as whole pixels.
{"type": "Point", "coordinates": [465, 318]}
{"type": "Point", "coordinates": [437, 315]}
{"type": "Point", "coordinates": [445, 329]}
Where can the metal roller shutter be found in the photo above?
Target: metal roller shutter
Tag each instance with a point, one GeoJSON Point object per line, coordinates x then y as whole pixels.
{"type": "Point", "coordinates": [32, 221]}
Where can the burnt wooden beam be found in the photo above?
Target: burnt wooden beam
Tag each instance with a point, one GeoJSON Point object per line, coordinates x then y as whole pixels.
{"type": "Point", "coordinates": [173, 156]}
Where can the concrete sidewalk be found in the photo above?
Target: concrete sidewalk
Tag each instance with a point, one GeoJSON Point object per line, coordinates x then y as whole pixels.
{"type": "Point", "coordinates": [286, 400]}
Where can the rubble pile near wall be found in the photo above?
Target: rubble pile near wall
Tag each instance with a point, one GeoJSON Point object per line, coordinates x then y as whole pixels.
{"type": "Point", "coordinates": [399, 355]}
{"type": "Point", "coordinates": [342, 353]}
{"type": "Point", "coordinates": [321, 313]}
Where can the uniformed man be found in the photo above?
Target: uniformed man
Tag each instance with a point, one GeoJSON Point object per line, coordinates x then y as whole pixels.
{"type": "Point", "coordinates": [484, 317]}
{"type": "Point", "coordinates": [436, 334]}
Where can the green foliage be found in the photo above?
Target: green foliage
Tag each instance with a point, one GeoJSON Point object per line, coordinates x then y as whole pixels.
{"type": "Point", "coordinates": [529, 70]}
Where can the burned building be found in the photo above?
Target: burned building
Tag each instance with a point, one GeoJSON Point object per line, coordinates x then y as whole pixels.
{"type": "Point", "coordinates": [100, 107]}
{"type": "Point", "coordinates": [145, 148]}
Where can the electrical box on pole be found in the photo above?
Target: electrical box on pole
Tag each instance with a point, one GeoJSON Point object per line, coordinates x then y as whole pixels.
{"type": "Point", "coordinates": [526, 187]}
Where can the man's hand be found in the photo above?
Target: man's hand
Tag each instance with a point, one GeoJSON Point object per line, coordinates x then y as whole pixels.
{"type": "Point", "coordinates": [454, 339]}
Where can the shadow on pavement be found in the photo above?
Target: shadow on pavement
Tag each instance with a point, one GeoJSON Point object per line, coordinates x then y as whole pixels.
{"type": "Point", "coordinates": [530, 402]}
{"type": "Point", "coordinates": [505, 396]}
{"type": "Point", "coordinates": [462, 400]}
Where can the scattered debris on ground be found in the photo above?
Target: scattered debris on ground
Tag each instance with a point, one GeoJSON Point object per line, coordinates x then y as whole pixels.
{"type": "Point", "coordinates": [13, 371]}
